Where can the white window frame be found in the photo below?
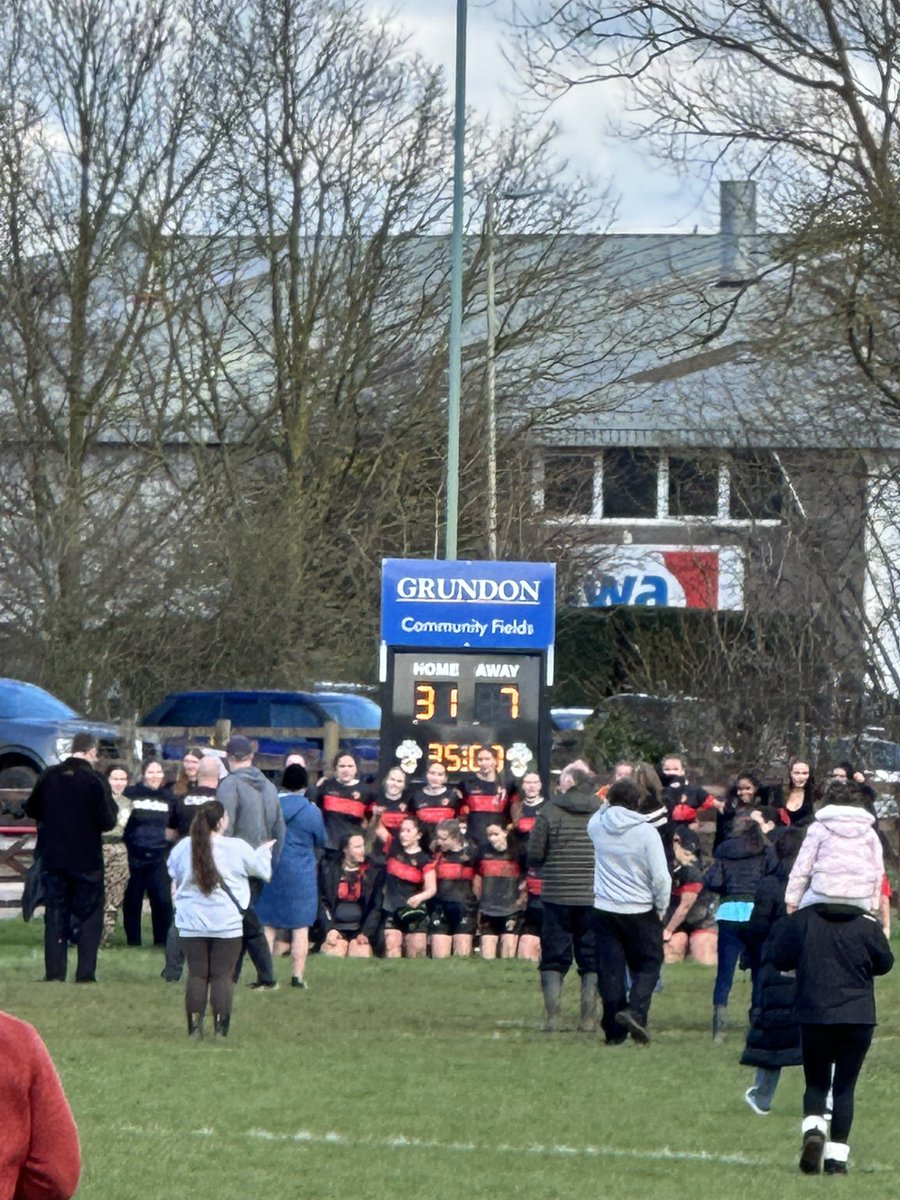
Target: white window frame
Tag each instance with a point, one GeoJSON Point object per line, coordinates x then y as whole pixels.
{"type": "Point", "coordinates": [596, 517]}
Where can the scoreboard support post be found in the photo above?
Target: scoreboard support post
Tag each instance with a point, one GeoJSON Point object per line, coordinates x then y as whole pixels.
{"type": "Point", "coordinates": [466, 661]}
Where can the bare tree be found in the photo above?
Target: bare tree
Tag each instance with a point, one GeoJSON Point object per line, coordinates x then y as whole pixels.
{"type": "Point", "coordinates": [223, 300]}
{"type": "Point", "coordinates": [802, 97]}
{"type": "Point", "coordinates": [110, 124]}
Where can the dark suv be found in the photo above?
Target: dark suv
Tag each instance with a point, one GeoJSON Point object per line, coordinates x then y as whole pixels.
{"type": "Point", "coordinates": [36, 731]}
{"type": "Point", "coordinates": [271, 710]}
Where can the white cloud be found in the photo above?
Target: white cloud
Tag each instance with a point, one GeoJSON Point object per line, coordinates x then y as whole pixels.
{"type": "Point", "coordinates": [652, 198]}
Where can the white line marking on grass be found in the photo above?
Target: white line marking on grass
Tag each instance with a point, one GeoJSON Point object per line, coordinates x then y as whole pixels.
{"type": "Point", "coordinates": [310, 1137]}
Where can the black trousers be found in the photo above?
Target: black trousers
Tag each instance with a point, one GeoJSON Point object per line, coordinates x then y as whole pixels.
{"type": "Point", "coordinates": [150, 878]}
{"type": "Point", "coordinates": [73, 901]}
{"type": "Point", "coordinates": [171, 972]}
{"type": "Point", "coordinates": [255, 944]}
{"type": "Point", "coordinates": [210, 974]}
{"type": "Point", "coordinates": [567, 932]}
{"type": "Point", "coordinates": [843, 1047]}
{"type": "Point", "coordinates": [632, 940]}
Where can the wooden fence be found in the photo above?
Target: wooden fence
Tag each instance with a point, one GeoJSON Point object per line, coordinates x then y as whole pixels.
{"type": "Point", "coordinates": [331, 735]}
{"type": "Point", "coordinates": [17, 835]}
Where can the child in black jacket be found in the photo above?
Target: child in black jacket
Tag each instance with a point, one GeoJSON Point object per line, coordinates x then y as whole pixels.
{"type": "Point", "coordinates": [836, 951]}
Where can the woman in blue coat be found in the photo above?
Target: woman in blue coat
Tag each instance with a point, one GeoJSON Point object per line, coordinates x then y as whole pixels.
{"type": "Point", "coordinates": [291, 899]}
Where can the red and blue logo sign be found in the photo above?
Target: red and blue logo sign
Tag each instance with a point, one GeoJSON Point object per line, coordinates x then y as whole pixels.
{"type": "Point", "coordinates": [667, 577]}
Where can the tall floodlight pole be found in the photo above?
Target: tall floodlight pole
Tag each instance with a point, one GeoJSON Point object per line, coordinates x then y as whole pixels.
{"type": "Point", "coordinates": [491, 374]}
{"type": "Point", "coordinates": [454, 387]}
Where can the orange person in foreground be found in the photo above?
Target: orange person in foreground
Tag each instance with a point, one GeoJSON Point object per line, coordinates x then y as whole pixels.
{"type": "Point", "coordinates": [39, 1154]}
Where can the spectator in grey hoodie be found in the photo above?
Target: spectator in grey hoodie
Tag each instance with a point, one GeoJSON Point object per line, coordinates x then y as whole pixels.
{"type": "Point", "coordinates": [251, 804]}
{"type": "Point", "coordinates": [560, 847]}
{"type": "Point", "coordinates": [632, 889]}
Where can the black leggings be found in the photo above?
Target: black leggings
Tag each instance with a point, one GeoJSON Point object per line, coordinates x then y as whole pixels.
{"type": "Point", "coordinates": [210, 963]}
{"type": "Point", "coordinates": [844, 1047]}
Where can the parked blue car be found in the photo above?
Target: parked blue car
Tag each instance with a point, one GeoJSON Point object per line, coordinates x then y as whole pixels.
{"type": "Point", "coordinates": [36, 731]}
{"type": "Point", "coordinates": [275, 710]}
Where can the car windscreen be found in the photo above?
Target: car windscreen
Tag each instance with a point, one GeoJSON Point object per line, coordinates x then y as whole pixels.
{"type": "Point", "coordinates": [191, 712]}
{"type": "Point", "coordinates": [24, 702]}
{"type": "Point", "coordinates": [291, 714]}
{"type": "Point", "coordinates": [353, 712]}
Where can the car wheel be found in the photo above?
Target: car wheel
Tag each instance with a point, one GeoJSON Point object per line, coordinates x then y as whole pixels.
{"type": "Point", "coordinates": [18, 777]}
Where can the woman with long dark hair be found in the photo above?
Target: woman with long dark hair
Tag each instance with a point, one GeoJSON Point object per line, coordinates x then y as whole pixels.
{"type": "Point", "coordinates": [148, 848]}
{"type": "Point", "coordinates": [186, 779]}
{"type": "Point", "coordinates": [742, 796]}
{"type": "Point", "coordinates": [212, 890]}
{"type": "Point", "coordinates": [739, 863]}
{"type": "Point", "coordinates": [799, 794]}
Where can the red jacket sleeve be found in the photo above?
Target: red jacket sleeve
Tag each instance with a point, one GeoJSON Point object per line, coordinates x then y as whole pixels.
{"type": "Point", "coordinates": [53, 1163]}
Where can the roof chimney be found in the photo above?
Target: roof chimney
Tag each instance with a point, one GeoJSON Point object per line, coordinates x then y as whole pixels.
{"type": "Point", "coordinates": [737, 228]}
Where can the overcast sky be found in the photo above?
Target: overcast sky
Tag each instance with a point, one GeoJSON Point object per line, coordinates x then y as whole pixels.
{"type": "Point", "coordinates": [651, 197]}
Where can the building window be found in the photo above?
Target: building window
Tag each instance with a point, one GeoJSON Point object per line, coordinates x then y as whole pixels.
{"type": "Point", "coordinates": [569, 484]}
{"type": "Point", "coordinates": [618, 484]}
{"type": "Point", "coordinates": [756, 486]}
{"type": "Point", "coordinates": [630, 483]}
{"type": "Point", "coordinates": [693, 489]}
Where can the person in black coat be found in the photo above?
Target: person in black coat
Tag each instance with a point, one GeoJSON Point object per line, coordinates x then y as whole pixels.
{"type": "Point", "coordinates": [836, 950]}
{"type": "Point", "coordinates": [773, 1039]}
{"type": "Point", "coordinates": [73, 806]}
{"type": "Point", "coordinates": [148, 851]}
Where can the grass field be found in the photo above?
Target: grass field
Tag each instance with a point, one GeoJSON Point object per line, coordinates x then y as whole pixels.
{"type": "Point", "coordinates": [411, 1080]}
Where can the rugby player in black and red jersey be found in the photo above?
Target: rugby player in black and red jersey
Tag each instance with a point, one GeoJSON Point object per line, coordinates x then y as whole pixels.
{"type": "Point", "coordinates": [501, 888]}
{"type": "Point", "coordinates": [485, 797]}
{"type": "Point", "coordinates": [409, 883]}
{"type": "Point", "coordinates": [350, 891]}
{"type": "Point", "coordinates": [346, 802]}
{"type": "Point", "coordinates": [389, 809]}
{"type": "Point", "coordinates": [435, 802]}
{"type": "Point", "coordinates": [454, 909]}
{"type": "Point", "coordinates": [524, 811]}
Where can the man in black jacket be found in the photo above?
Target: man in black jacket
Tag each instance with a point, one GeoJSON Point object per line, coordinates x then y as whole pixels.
{"type": "Point", "coordinates": [836, 950]}
{"type": "Point", "coordinates": [560, 846]}
{"type": "Point", "coordinates": [73, 805]}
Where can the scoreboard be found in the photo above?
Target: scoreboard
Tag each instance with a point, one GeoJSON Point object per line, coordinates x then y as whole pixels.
{"type": "Point", "coordinates": [466, 664]}
{"type": "Point", "coordinates": [445, 706]}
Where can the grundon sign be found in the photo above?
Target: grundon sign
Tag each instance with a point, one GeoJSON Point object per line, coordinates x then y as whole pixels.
{"type": "Point", "coordinates": [500, 605]}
